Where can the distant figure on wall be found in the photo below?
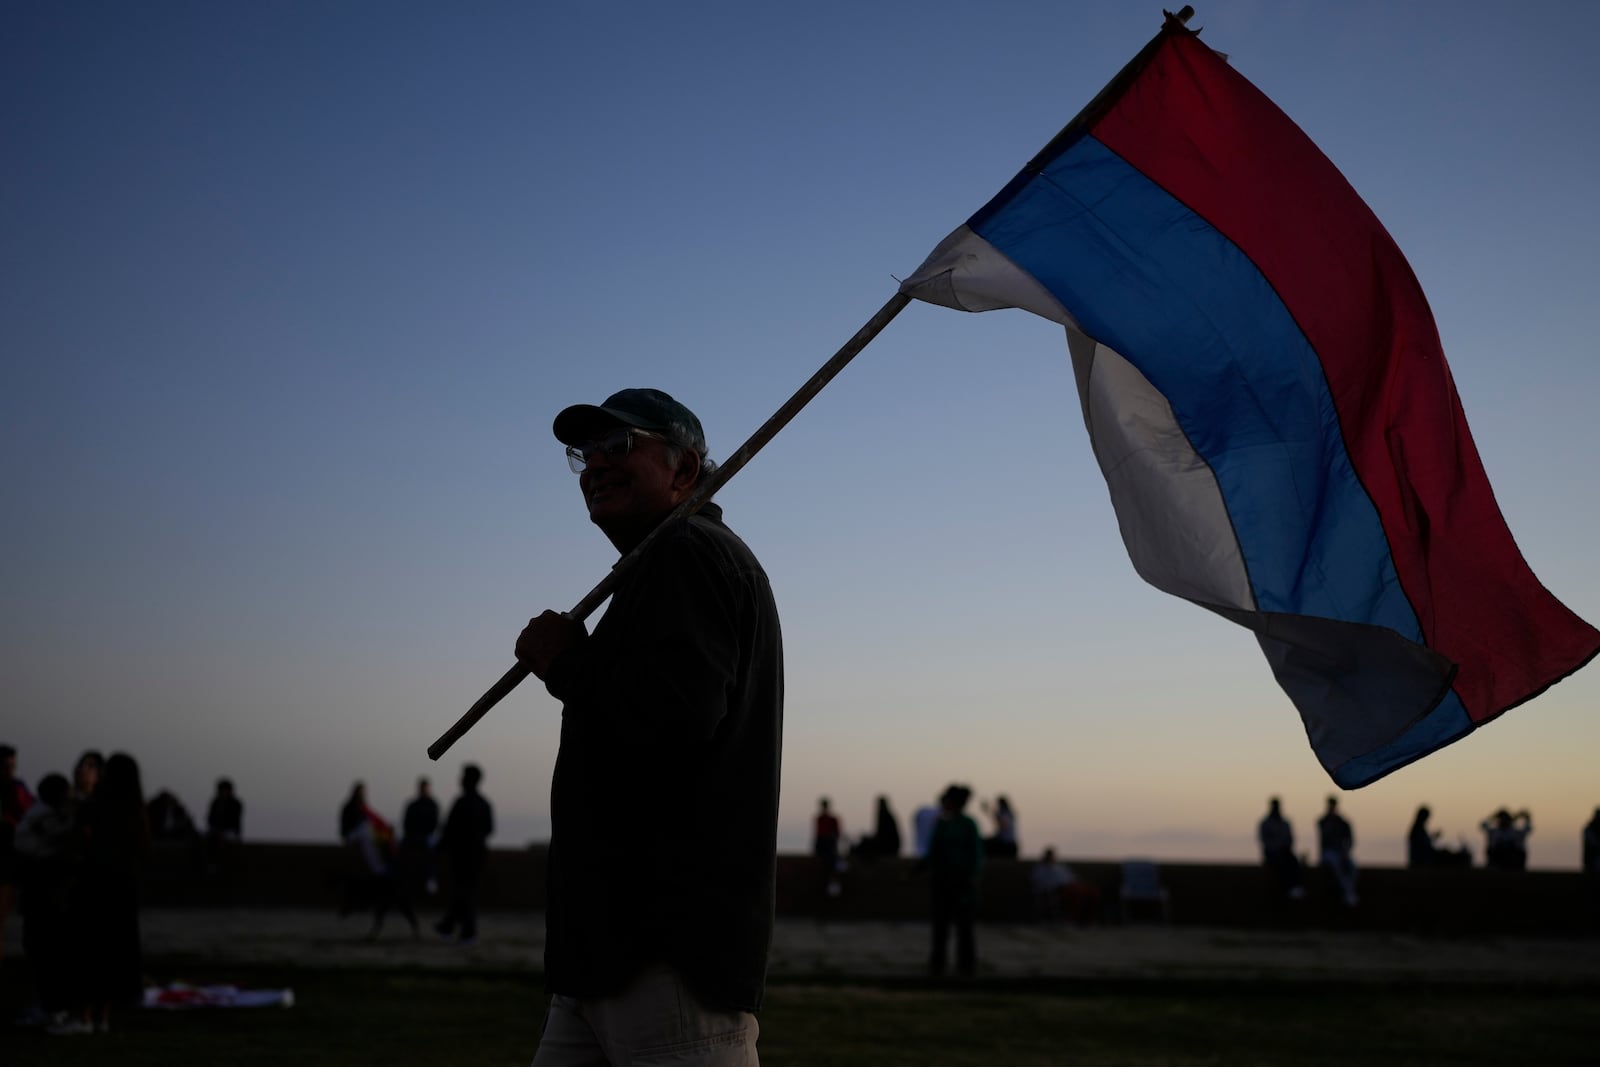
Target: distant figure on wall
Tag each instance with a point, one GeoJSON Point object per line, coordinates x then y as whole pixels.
{"type": "Point", "coordinates": [1422, 846]}
{"type": "Point", "coordinates": [169, 819]}
{"type": "Point", "coordinates": [1591, 866]}
{"type": "Point", "coordinates": [885, 838]}
{"type": "Point", "coordinates": [1591, 846]}
{"type": "Point", "coordinates": [1277, 852]}
{"type": "Point", "coordinates": [922, 822]}
{"type": "Point", "coordinates": [954, 860]}
{"type": "Point", "coordinates": [826, 832]}
{"type": "Point", "coordinates": [1506, 840]}
{"type": "Point", "coordinates": [224, 830]}
{"type": "Point", "coordinates": [1335, 841]}
{"type": "Point", "coordinates": [86, 775]}
{"type": "Point", "coordinates": [225, 816]}
{"type": "Point", "coordinates": [1003, 843]}
{"type": "Point", "coordinates": [465, 844]}
{"type": "Point", "coordinates": [1058, 893]}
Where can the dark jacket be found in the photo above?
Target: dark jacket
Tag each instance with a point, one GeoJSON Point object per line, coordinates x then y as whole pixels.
{"type": "Point", "coordinates": [664, 802]}
{"type": "Point", "coordinates": [421, 819]}
{"type": "Point", "coordinates": [467, 828]}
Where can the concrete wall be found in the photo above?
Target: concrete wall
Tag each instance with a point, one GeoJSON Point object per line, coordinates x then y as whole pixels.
{"type": "Point", "coordinates": [1230, 895]}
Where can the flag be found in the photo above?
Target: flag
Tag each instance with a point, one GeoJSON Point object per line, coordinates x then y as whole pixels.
{"type": "Point", "coordinates": [1268, 399]}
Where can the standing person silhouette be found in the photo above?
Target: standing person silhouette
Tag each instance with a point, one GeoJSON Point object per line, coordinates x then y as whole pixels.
{"type": "Point", "coordinates": [418, 824]}
{"type": "Point", "coordinates": [1003, 843]}
{"type": "Point", "coordinates": [86, 775]}
{"type": "Point", "coordinates": [1591, 867]}
{"type": "Point", "coordinates": [826, 833]}
{"type": "Point", "coordinates": [954, 860]}
{"type": "Point", "coordinates": [1335, 841]}
{"type": "Point", "coordinates": [657, 932]}
{"type": "Point", "coordinates": [15, 800]}
{"type": "Point", "coordinates": [885, 837]}
{"type": "Point", "coordinates": [465, 844]}
{"type": "Point", "coordinates": [225, 815]}
{"type": "Point", "coordinates": [1591, 847]}
{"type": "Point", "coordinates": [1277, 852]}
{"type": "Point", "coordinates": [116, 840]}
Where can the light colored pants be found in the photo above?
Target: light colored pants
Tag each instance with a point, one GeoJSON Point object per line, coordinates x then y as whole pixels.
{"type": "Point", "coordinates": [654, 1020]}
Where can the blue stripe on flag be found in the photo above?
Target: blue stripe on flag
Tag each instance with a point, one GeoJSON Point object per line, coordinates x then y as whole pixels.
{"type": "Point", "coordinates": [1159, 285]}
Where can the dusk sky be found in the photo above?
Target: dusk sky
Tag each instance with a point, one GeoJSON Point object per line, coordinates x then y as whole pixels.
{"type": "Point", "coordinates": [290, 293]}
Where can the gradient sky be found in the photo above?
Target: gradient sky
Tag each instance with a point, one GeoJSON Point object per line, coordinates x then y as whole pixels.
{"type": "Point", "coordinates": [290, 292]}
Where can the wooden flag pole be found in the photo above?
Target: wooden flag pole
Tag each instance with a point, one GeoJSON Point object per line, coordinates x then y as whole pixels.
{"type": "Point", "coordinates": [702, 493]}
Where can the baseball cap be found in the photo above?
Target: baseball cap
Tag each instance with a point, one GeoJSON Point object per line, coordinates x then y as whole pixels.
{"type": "Point", "coordinates": [645, 409]}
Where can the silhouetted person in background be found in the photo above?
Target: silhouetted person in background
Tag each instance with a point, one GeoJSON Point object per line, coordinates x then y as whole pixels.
{"type": "Point", "coordinates": [1335, 840]}
{"type": "Point", "coordinates": [465, 844]}
{"type": "Point", "coordinates": [354, 811]}
{"type": "Point", "coordinates": [1422, 847]}
{"type": "Point", "coordinates": [109, 959]}
{"type": "Point", "coordinates": [224, 832]}
{"type": "Point", "coordinates": [1277, 852]}
{"type": "Point", "coordinates": [47, 853]}
{"type": "Point", "coordinates": [225, 816]}
{"type": "Point", "coordinates": [1002, 843]}
{"type": "Point", "coordinates": [371, 838]}
{"type": "Point", "coordinates": [169, 819]}
{"type": "Point", "coordinates": [15, 800]}
{"type": "Point", "coordinates": [417, 826]}
{"type": "Point", "coordinates": [1591, 867]}
{"type": "Point", "coordinates": [955, 857]}
{"type": "Point", "coordinates": [86, 775]}
{"type": "Point", "coordinates": [1591, 846]}
{"type": "Point", "coordinates": [1057, 892]}
{"type": "Point", "coordinates": [826, 833]}
{"type": "Point", "coordinates": [1506, 840]}
{"type": "Point", "coordinates": [885, 837]}
{"type": "Point", "coordinates": [922, 823]}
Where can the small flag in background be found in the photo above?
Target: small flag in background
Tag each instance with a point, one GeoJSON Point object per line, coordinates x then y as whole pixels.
{"type": "Point", "coordinates": [1269, 402]}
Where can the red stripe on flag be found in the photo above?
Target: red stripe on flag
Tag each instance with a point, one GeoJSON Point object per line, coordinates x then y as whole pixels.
{"type": "Point", "coordinates": [1211, 139]}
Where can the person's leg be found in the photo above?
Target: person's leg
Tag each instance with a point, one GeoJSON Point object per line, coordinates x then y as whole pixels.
{"type": "Point", "coordinates": [469, 906]}
{"type": "Point", "coordinates": [446, 926]}
{"type": "Point", "coordinates": [567, 1040]}
{"type": "Point", "coordinates": [966, 946]}
{"type": "Point", "coordinates": [657, 1020]}
{"type": "Point", "coordinates": [941, 933]}
{"type": "Point", "coordinates": [8, 896]}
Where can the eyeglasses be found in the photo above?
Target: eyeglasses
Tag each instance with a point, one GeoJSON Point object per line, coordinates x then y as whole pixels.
{"type": "Point", "coordinates": [613, 446]}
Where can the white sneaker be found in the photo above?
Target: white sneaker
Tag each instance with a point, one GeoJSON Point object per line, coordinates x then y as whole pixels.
{"type": "Point", "coordinates": [68, 1027]}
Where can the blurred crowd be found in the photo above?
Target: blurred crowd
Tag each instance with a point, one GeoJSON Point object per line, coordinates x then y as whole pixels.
{"type": "Point", "coordinates": [69, 856]}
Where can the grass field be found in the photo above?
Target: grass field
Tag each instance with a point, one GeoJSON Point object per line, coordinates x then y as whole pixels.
{"type": "Point", "coordinates": [438, 1017]}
